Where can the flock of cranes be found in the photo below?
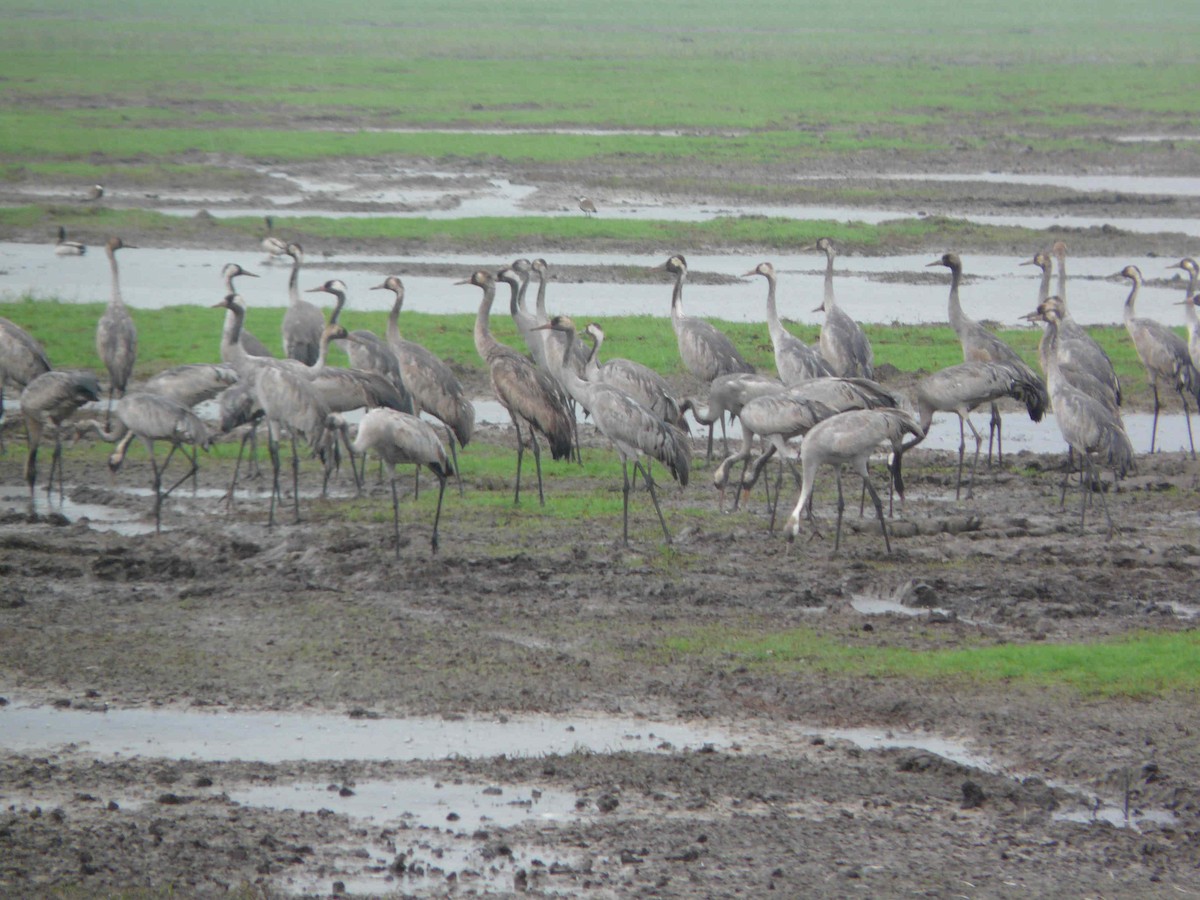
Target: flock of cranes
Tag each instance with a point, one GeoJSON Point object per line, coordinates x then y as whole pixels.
{"type": "Point", "coordinates": [824, 394]}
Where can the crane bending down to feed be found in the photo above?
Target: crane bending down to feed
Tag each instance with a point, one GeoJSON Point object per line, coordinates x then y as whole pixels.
{"type": "Point", "coordinates": [980, 345]}
{"type": "Point", "coordinates": [706, 352]}
{"type": "Point", "coordinates": [1164, 354]}
{"type": "Point", "coordinates": [851, 437]}
{"type": "Point", "coordinates": [844, 345]}
{"type": "Point", "coordinates": [794, 360]}
{"type": "Point", "coordinates": [47, 400]}
{"type": "Point", "coordinates": [960, 389]}
{"type": "Point", "coordinates": [398, 438]}
{"type": "Point", "coordinates": [149, 418]}
{"type": "Point", "coordinates": [1087, 424]}
{"type": "Point", "coordinates": [22, 359]}
{"type": "Point", "coordinates": [529, 394]}
{"type": "Point", "coordinates": [116, 335]}
{"type": "Point", "coordinates": [634, 430]}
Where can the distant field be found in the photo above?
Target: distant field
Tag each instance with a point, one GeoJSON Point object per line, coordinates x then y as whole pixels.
{"type": "Point", "coordinates": [130, 82]}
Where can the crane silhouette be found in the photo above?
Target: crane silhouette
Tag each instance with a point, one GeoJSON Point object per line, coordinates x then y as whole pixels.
{"type": "Point", "coordinates": [980, 345]}
{"type": "Point", "coordinates": [399, 438]}
{"type": "Point", "coordinates": [1164, 354]}
{"type": "Point", "coordinates": [962, 388]}
{"type": "Point", "coordinates": [850, 438]}
{"type": "Point", "coordinates": [22, 359]}
{"type": "Point", "coordinates": [1087, 425]}
{"type": "Point", "coordinates": [634, 430]}
{"type": "Point", "coordinates": [1189, 303]}
{"type": "Point", "coordinates": [434, 387]}
{"type": "Point", "coordinates": [706, 352]}
{"type": "Point", "coordinates": [529, 394]}
{"type": "Point", "coordinates": [843, 343]}
{"type": "Point", "coordinates": [48, 400]}
{"type": "Point", "coordinates": [249, 342]}
{"type": "Point", "coordinates": [302, 322]}
{"type": "Point", "coordinates": [794, 360]}
{"type": "Point", "coordinates": [116, 335]}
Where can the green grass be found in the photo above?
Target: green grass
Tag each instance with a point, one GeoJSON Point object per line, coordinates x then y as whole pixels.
{"type": "Point", "coordinates": [131, 81]}
{"type": "Point", "coordinates": [1143, 664]}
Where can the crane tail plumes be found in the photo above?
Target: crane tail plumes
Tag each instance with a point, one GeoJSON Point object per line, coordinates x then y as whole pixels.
{"type": "Point", "coordinates": [1030, 389]}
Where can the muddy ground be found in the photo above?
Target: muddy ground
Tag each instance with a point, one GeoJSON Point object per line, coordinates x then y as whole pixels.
{"type": "Point", "coordinates": [525, 612]}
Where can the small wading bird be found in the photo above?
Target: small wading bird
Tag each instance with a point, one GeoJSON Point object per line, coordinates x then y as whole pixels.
{"type": "Point", "coordinates": [46, 401]}
{"type": "Point", "coordinates": [63, 247]}
{"type": "Point", "coordinates": [273, 246]}
{"type": "Point", "coordinates": [706, 352]}
{"type": "Point", "coordinates": [1164, 354]}
{"type": "Point", "coordinates": [94, 194]}
{"type": "Point", "coordinates": [634, 430]}
{"type": "Point", "coordinates": [529, 394]}
{"type": "Point", "coordinates": [850, 438]}
{"type": "Point", "coordinates": [1087, 425]}
{"type": "Point", "coordinates": [588, 207]}
{"type": "Point", "coordinates": [22, 359]}
{"type": "Point", "coordinates": [398, 438]}
{"type": "Point", "coordinates": [843, 343]}
{"type": "Point", "coordinates": [980, 345]}
{"type": "Point", "coordinates": [116, 335]}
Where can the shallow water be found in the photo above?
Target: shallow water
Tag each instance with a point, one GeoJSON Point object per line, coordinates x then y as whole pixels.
{"type": "Point", "coordinates": [998, 289]}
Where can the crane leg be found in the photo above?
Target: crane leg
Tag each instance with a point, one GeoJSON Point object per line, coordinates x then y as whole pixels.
{"type": "Point", "coordinates": [625, 501]}
{"type": "Point", "coordinates": [841, 507]}
{"type": "Point", "coordinates": [653, 496]}
{"type": "Point", "coordinates": [710, 441]}
{"type": "Point", "coordinates": [1188, 417]}
{"type": "Point", "coordinates": [1112, 528]}
{"type": "Point", "coordinates": [962, 447]}
{"type": "Point", "coordinates": [56, 465]}
{"type": "Point", "coordinates": [157, 491]}
{"type": "Point", "coordinates": [975, 462]}
{"type": "Point", "coordinates": [1154, 424]}
{"type": "Point", "coordinates": [395, 514]}
{"type": "Point", "coordinates": [520, 456]}
{"type": "Point", "coordinates": [273, 451]}
{"type": "Point", "coordinates": [537, 464]}
{"type": "Point", "coordinates": [995, 426]}
{"type": "Point", "coordinates": [878, 509]}
{"type": "Point", "coordinates": [296, 479]}
{"type": "Point", "coordinates": [451, 442]}
{"type": "Point", "coordinates": [437, 516]}
{"type": "Point", "coordinates": [191, 472]}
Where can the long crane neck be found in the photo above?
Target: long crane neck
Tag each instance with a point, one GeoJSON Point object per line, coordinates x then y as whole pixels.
{"type": "Point", "coordinates": [117, 299]}
{"type": "Point", "coordinates": [1062, 277]}
{"type": "Point", "coordinates": [829, 302]}
{"type": "Point", "coordinates": [591, 368]}
{"type": "Point", "coordinates": [773, 324]}
{"type": "Point", "coordinates": [232, 350]}
{"type": "Point", "coordinates": [957, 319]}
{"type": "Point", "coordinates": [542, 316]}
{"type": "Point", "coordinates": [294, 281]}
{"type": "Point", "coordinates": [1044, 286]}
{"type": "Point", "coordinates": [393, 322]}
{"type": "Point", "coordinates": [1131, 300]}
{"type": "Point", "coordinates": [338, 302]}
{"type": "Point", "coordinates": [677, 296]}
{"type": "Point", "coordinates": [484, 342]}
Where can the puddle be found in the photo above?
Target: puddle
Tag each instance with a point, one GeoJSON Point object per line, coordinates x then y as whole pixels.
{"type": "Point", "coordinates": [278, 737]}
{"type": "Point", "coordinates": [878, 606]}
{"type": "Point", "coordinates": [127, 522]}
{"type": "Point", "coordinates": [440, 829]}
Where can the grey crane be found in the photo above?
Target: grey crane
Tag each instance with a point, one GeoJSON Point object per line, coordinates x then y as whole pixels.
{"type": "Point", "coordinates": [776, 419]}
{"type": "Point", "coordinates": [434, 387]}
{"type": "Point", "coordinates": [290, 403]}
{"type": "Point", "coordinates": [962, 388]}
{"type": "Point", "coordinates": [48, 400]}
{"type": "Point", "coordinates": [22, 359]}
{"type": "Point", "coordinates": [63, 247]}
{"type": "Point", "coordinates": [553, 340]}
{"type": "Point", "coordinates": [116, 335]}
{"type": "Point", "coordinates": [794, 360]}
{"type": "Point", "coordinates": [1189, 303]}
{"type": "Point", "coordinates": [641, 382]}
{"type": "Point", "coordinates": [1087, 424]}
{"type": "Point", "coordinates": [273, 246]}
{"type": "Point", "coordinates": [829, 393]}
{"type": "Point", "coordinates": [850, 438]}
{"type": "Point", "coordinates": [529, 394]}
{"type": "Point", "coordinates": [587, 206]}
{"type": "Point", "coordinates": [634, 430]}
{"type": "Point", "coordinates": [980, 345]}
{"type": "Point", "coordinates": [191, 383]}
{"type": "Point", "coordinates": [843, 342]}
{"type": "Point", "coordinates": [727, 394]}
{"type": "Point", "coordinates": [1163, 353]}
{"type": "Point", "coordinates": [149, 418]}
{"type": "Point", "coordinates": [1082, 360]}
{"type": "Point", "coordinates": [706, 352]}
{"type": "Point", "coordinates": [249, 342]}
{"type": "Point", "coordinates": [398, 438]}
{"type": "Point", "coordinates": [302, 322]}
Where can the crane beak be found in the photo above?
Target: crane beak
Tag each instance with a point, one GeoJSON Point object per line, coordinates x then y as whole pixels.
{"type": "Point", "coordinates": [820, 308]}
{"type": "Point", "coordinates": [936, 262]}
{"type": "Point", "coordinates": [316, 290]}
{"type": "Point", "coordinates": [251, 274]}
{"type": "Point", "coordinates": [751, 272]}
{"type": "Point", "coordinates": [384, 287]}
{"type": "Point", "coordinates": [1028, 262]}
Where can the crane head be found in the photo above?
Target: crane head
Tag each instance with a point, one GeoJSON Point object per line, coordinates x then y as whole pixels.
{"type": "Point", "coordinates": [334, 286]}
{"type": "Point", "coordinates": [1040, 259]}
{"type": "Point", "coordinates": [233, 270]}
{"type": "Point", "coordinates": [764, 269]}
{"type": "Point", "coordinates": [949, 260]}
{"type": "Point", "coordinates": [1133, 273]}
{"type": "Point", "coordinates": [391, 283]}
{"type": "Point", "coordinates": [482, 278]}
